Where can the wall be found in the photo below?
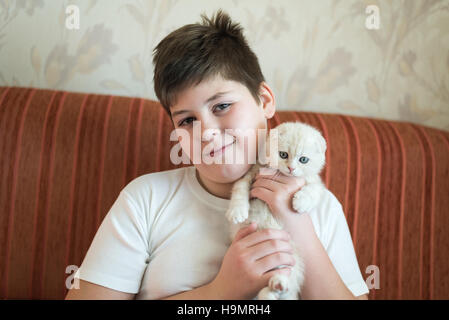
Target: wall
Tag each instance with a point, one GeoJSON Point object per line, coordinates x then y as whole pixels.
{"type": "Point", "coordinates": [316, 55]}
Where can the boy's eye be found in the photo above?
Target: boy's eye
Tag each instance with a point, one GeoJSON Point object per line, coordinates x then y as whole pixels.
{"type": "Point", "coordinates": [283, 155]}
{"type": "Point", "coordinates": [181, 123]}
{"type": "Point", "coordinates": [303, 159]}
{"type": "Point", "coordinates": [222, 106]}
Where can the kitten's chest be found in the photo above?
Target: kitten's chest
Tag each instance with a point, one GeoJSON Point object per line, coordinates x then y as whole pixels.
{"type": "Point", "coordinates": [260, 212]}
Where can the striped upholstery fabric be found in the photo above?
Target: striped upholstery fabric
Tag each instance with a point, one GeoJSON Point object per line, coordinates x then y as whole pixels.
{"type": "Point", "coordinates": [66, 156]}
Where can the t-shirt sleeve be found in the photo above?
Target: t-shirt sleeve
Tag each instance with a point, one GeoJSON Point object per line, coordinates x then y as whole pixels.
{"type": "Point", "coordinates": [119, 253]}
{"type": "Point", "coordinates": [341, 250]}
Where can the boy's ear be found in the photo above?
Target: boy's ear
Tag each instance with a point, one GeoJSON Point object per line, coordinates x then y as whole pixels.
{"type": "Point", "coordinates": [267, 100]}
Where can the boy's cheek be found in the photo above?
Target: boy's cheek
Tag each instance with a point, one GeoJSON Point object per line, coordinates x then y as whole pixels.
{"type": "Point", "coordinates": [187, 147]}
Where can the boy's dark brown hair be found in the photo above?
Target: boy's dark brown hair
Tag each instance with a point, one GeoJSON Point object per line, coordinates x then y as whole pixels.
{"type": "Point", "coordinates": [201, 51]}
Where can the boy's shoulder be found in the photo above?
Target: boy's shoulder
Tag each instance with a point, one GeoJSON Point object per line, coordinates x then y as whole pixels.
{"type": "Point", "coordinates": [327, 217]}
{"type": "Point", "coordinates": [329, 208]}
{"type": "Point", "coordinates": [161, 181]}
{"type": "Point", "coordinates": [328, 200]}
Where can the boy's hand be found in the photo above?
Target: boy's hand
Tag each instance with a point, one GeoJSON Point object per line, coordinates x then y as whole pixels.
{"type": "Point", "coordinates": [246, 266]}
{"type": "Point", "coordinates": [277, 190]}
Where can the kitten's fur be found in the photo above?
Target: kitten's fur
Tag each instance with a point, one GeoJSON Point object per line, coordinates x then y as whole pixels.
{"type": "Point", "coordinates": [297, 140]}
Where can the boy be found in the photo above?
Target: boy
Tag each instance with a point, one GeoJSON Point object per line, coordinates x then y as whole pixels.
{"type": "Point", "coordinates": [166, 236]}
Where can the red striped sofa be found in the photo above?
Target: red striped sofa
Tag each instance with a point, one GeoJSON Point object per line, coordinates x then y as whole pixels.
{"type": "Point", "coordinates": [66, 156]}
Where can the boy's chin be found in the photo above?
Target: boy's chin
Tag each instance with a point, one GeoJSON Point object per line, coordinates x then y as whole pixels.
{"type": "Point", "coordinates": [224, 173]}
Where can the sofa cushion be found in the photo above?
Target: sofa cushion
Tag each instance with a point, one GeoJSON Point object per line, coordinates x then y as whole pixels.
{"type": "Point", "coordinates": [65, 157]}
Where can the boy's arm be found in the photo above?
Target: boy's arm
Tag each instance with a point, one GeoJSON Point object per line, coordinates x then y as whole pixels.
{"type": "Point", "coordinates": [91, 291]}
{"type": "Point", "coordinates": [321, 280]}
{"type": "Point", "coordinates": [200, 293]}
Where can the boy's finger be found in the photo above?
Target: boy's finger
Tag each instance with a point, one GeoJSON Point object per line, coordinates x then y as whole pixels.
{"type": "Point", "coordinates": [263, 235]}
{"type": "Point", "coordinates": [269, 184]}
{"type": "Point", "coordinates": [272, 175]}
{"type": "Point", "coordinates": [261, 193]}
{"type": "Point", "coordinates": [266, 171]}
{"type": "Point", "coordinates": [284, 271]}
{"type": "Point", "coordinates": [280, 178]}
{"type": "Point", "coordinates": [243, 232]}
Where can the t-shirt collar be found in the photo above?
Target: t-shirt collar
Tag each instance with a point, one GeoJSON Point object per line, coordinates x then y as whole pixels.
{"type": "Point", "coordinates": [203, 194]}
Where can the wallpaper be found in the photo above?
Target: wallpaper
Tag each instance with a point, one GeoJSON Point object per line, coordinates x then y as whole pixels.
{"type": "Point", "coordinates": [384, 59]}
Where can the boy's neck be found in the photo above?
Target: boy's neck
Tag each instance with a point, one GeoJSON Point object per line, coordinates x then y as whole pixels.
{"type": "Point", "coordinates": [221, 190]}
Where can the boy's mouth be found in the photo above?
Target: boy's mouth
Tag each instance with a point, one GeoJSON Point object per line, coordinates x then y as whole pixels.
{"type": "Point", "coordinates": [220, 150]}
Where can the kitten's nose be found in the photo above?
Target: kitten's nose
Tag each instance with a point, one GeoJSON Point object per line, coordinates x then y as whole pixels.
{"type": "Point", "coordinates": [290, 169]}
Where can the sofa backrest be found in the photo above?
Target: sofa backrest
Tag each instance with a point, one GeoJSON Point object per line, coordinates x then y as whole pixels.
{"type": "Point", "coordinates": [64, 157]}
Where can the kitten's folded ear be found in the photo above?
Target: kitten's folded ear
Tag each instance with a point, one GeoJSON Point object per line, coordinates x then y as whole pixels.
{"type": "Point", "coordinates": [321, 144]}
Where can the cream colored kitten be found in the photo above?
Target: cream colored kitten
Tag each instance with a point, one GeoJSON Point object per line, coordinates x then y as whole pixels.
{"type": "Point", "coordinates": [301, 153]}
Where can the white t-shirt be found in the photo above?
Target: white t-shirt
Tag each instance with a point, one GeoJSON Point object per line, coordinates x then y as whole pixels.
{"type": "Point", "coordinates": [166, 234]}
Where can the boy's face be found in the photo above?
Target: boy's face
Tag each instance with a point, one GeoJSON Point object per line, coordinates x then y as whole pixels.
{"type": "Point", "coordinates": [219, 120]}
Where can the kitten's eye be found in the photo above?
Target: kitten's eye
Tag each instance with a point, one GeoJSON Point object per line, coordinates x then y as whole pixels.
{"type": "Point", "coordinates": [303, 159]}
{"type": "Point", "coordinates": [283, 155]}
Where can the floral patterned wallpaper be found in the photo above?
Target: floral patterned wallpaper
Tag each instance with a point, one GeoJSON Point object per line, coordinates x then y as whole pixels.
{"type": "Point", "coordinates": [322, 56]}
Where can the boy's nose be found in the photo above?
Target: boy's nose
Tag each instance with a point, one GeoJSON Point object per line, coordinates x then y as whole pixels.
{"type": "Point", "coordinates": [210, 134]}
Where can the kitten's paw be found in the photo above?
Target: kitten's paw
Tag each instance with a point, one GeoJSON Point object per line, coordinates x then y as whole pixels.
{"type": "Point", "coordinates": [302, 202]}
{"type": "Point", "coordinates": [238, 212]}
{"type": "Point", "coordinates": [278, 283]}
{"type": "Point", "coordinates": [267, 294]}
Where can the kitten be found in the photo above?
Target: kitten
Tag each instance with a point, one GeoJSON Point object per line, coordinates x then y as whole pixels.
{"type": "Point", "coordinates": [301, 153]}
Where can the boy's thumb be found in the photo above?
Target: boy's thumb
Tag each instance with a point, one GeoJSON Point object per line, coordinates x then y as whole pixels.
{"type": "Point", "coordinates": [243, 232]}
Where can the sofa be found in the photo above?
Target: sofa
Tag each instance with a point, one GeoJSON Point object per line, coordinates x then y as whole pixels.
{"type": "Point", "coordinates": [65, 156]}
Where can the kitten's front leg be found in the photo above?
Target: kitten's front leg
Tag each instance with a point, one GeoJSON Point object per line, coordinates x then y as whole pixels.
{"type": "Point", "coordinates": [307, 198]}
{"type": "Point", "coordinates": [239, 205]}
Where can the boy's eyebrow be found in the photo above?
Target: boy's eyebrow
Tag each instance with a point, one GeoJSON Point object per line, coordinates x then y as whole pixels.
{"type": "Point", "coordinates": [215, 96]}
